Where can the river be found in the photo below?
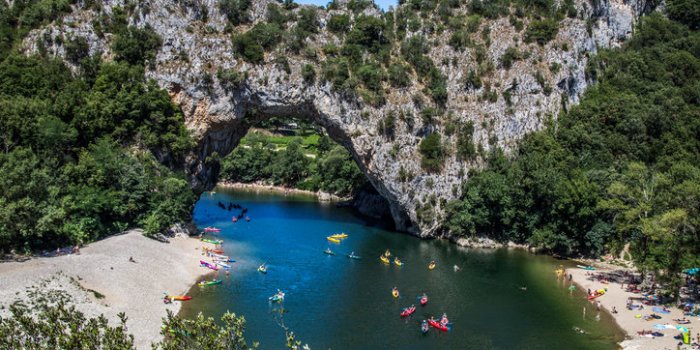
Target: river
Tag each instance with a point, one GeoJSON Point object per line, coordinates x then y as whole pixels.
{"type": "Point", "coordinates": [334, 302]}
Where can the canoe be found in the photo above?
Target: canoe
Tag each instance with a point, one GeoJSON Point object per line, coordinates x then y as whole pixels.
{"type": "Point", "coordinates": [209, 283]}
{"type": "Point", "coordinates": [384, 259]}
{"type": "Point", "coordinates": [395, 293]}
{"type": "Point", "coordinates": [397, 262]}
{"type": "Point", "coordinates": [328, 251]}
{"type": "Point", "coordinates": [334, 240]}
{"type": "Point", "coordinates": [408, 311]}
{"type": "Point", "coordinates": [438, 325]}
{"type": "Point", "coordinates": [178, 297]}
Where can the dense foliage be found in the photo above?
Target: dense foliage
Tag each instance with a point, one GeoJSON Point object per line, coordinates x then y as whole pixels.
{"type": "Point", "coordinates": [81, 153]}
{"type": "Point", "coordinates": [621, 167]}
{"type": "Point", "coordinates": [49, 322]}
{"type": "Point", "coordinates": [310, 163]}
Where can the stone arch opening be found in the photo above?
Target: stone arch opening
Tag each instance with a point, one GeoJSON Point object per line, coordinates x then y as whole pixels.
{"type": "Point", "coordinates": [222, 137]}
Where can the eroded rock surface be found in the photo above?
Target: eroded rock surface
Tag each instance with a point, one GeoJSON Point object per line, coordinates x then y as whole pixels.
{"type": "Point", "coordinates": [195, 47]}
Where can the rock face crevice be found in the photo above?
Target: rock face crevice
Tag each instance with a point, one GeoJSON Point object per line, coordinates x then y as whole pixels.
{"type": "Point", "coordinates": [523, 97]}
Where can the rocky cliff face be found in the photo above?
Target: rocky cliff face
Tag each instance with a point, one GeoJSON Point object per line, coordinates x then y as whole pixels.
{"type": "Point", "coordinates": [509, 103]}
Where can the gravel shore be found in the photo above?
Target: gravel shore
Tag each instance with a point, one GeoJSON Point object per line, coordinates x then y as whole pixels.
{"type": "Point", "coordinates": [617, 297]}
{"type": "Point", "coordinates": [102, 280]}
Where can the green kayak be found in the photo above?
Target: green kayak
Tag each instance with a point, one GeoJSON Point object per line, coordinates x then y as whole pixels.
{"type": "Point", "coordinates": [209, 283]}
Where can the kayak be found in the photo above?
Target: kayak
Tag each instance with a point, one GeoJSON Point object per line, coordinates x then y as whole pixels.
{"type": "Point", "coordinates": [225, 260]}
{"type": "Point", "coordinates": [387, 253]}
{"type": "Point", "coordinates": [397, 262]}
{"type": "Point", "coordinates": [262, 268]}
{"type": "Point", "coordinates": [212, 241]}
{"type": "Point", "coordinates": [215, 251]}
{"type": "Point", "coordinates": [178, 297]}
{"type": "Point", "coordinates": [385, 260]}
{"type": "Point", "coordinates": [209, 283]}
{"type": "Point", "coordinates": [339, 236]}
{"type": "Point", "coordinates": [209, 265]}
{"type": "Point", "coordinates": [279, 297]}
{"type": "Point", "coordinates": [424, 327]}
{"type": "Point", "coordinates": [352, 256]}
{"type": "Point", "coordinates": [595, 295]}
{"type": "Point", "coordinates": [212, 229]}
{"type": "Point", "coordinates": [395, 293]}
{"type": "Point", "coordinates": [438, 325]}
{"type": "Point", "coordinates": [432, 266]}
{"type": "Point", "coordinates": [408, 311]}
{"type": "Point", "coordinates": [334, 240]}
{"type": "Point", "coordinates": [329, 252]}
{"type": "Point", "coordinates": [224, 265]}
{"type": "Point", "coordinates": [589, 268]}
{"type": "Point", "coordinates": [219, 256]}
{"type": "Point", "coordinates": [424, 300]}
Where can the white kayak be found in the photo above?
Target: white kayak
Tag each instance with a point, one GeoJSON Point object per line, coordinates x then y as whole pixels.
{"type": "Point", "coordinates": [224, 265]}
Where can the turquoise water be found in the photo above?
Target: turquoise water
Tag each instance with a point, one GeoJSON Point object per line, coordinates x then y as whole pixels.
{"type": "Point", "coordinates": [338, 303]}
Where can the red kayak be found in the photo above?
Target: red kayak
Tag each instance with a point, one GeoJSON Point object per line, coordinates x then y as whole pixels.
{"type": "Point", "coordinates": [408, 311]}
{"type": "Point", "coordinates": [423, 300]}
{"type": "Point", "coordinates": [438, 325]}
{"type": "Point", "coordinates": [178, 297]}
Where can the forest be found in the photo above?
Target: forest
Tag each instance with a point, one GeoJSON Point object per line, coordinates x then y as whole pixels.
{"type": "Point", "coordinates": [617, 173]}
{"type": "Point", "coordinates": [84, 154]}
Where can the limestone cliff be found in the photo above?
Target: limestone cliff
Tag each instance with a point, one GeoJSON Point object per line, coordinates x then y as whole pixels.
{"type": "Point", "coordinates": [507, 104]}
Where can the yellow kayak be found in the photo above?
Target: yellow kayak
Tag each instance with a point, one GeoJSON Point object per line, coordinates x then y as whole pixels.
{"type": "Point", "coordinates": [339, 235]}
{"type": "Point", "coordinates": [397, 262]}
{"type": "Point", "coordinates": [332, 239]}
{"type": "Point", "coordinates": [395, 293]}
{"type": "Point", "coordinates": [384, 259]}
{"type": "Point", "coordinates": [432, 265]}
{"type": "Point", "coordinates": [387, 253]}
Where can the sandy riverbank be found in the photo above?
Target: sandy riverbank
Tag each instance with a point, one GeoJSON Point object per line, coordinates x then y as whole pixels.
{"type": "Point", "coordinates": [617, 297]}
{"type": "Point", "coordinates": [104, 267]}
{"type": "Point", "coordinates": [322, 196]}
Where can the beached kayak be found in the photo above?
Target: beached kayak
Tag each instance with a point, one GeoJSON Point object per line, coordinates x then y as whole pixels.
{"type": "Point", "coordinates": [438, 325]}
{"type": "Point", "coordinates": [597, 293]}
{"type": "Point", "coordinates": [209, 265]}
{"type": "Point", "coordinates": [209, 283]}
{"type": "Point", "coordinates": [408, 311]}
{"type": "Point", "coordinates": [223, 264]}
{"type": "Point", "coordinates": [334, 240]}
{"type": "Point", "coordinates": [178, 297]}
{"type": "Point", "coordinates": [212, 241]}
{"type": "Point", "coordinates": [589, 268]}
{"type": "Point", "coordinates": [215, 251]}
{"type": "Point", "coordinates": [385, 260]}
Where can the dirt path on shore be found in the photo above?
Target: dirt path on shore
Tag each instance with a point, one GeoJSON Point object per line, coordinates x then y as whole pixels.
{"type": "Point", "coordinates": [102, 280]}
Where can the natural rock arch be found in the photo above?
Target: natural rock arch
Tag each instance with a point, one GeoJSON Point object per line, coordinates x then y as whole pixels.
{"type": "Point", "coordinates": [196, 47]}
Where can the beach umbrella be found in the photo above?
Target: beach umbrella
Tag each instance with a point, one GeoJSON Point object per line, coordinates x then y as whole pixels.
{"type": "Point", "coordinates": [682, 329]}
{"type": "Point", "coordinates": [693, 271]}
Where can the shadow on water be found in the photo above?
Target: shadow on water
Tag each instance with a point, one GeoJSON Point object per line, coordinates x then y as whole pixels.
{"type": "Point", "coordinates": [339, 303]}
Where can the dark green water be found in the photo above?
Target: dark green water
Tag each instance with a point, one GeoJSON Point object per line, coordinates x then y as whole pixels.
{"type": "Point", "coordinates": [337, 303]}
